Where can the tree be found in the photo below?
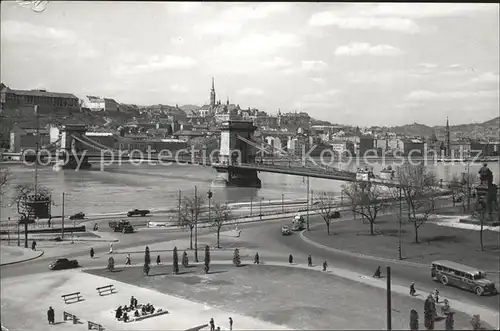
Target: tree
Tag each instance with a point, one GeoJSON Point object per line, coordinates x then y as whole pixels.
{"type": "Point", "coordinates": [413, 320]}
{"type": "Point", "coordinates": [32, 201]}
{"type": "Point", "coordinates": [450, 321]}
{"type": "Point", "coordinates": [366, 200]}
{"type": "Point", "coordinates": [462, 190]}
{"type": "Point", "coordinates": [325, 205]}
{"type": "Point", "coordinates": [429, 313]}
{"type": "Point", "coordinates": [175, 261]}
{"type": "Point", "coordinates": [111, 264]}
{"type": "Point", "coordinates": [236, 257]}
{"type": "Point", "coordinates": [147, 256]}
{"type": "Point", "coordinates": [480, 213]}
{"type": "Point", "coordinates": [222, 214]}
{"type": "Point", "coordinates": [4, 177]}
{"type": "Point", "coordinates": [207, 259]}
{"type": "Point", "coordinates": [418, 189]}
{"type": "Point", "coordinates": [146, 269]}
{"type": "Point", "coordinates": [185, 259]}
{"type": "Point", "coordinates": [189, 214]}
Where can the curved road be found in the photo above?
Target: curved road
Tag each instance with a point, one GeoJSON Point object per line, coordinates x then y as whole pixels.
{"type": "Point", "coordinates": [265, 237]}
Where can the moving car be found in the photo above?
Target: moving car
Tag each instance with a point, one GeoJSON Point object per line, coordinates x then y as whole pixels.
{"type": "Point", "coordinates": [138, 212]}
{"type": "Point", "coordinates": [121, 226]}
{"type": "Point", "coordinates": [285, 230]}
{"type": "Point", "coordinates": [77, 216]}
{"type": "Point", "coordinates": [61, 264]}
{"type": "Point", "coordinates": [335, 214]}
{"type": "Point", "coordinates": [298, 223]}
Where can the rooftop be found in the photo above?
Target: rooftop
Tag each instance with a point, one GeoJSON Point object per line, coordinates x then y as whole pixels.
{"type": "Point", "coordinates": [43, 93]}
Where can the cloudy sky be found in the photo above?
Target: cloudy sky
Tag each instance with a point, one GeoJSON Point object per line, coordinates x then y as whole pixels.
{"type": "Point", "coordinates": [362, 64]}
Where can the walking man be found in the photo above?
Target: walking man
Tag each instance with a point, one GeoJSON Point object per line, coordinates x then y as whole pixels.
{"type": "Point", "coordinates": [128, 260]}
{"type": "Point", "coordinates": [158, 261]}
{"type": "Point", "coordinates": [50, 315]}
{"type": "Point", "coordinates": [290, 259]}
{"type": "Point", "coordinates": [33, 246]}
{"type": "Point", "coordinates": [110, 248]}
{"type": "Point", "coordinates": [230, 324]}
{"type": "Point", "coordinates": [412, 289]}
{"type": "Point", "coordinates": [325, 265]}
{"type": "Point", "coordinates": [212, 324]}
{"type": "Point", "coordinates": [436, 295]}
{"type": "Point", "coordinates": [309, 261]}
{"type": "Point", "coordinates": [92, 252]}
{"type": "Point", "coordinates": [256, 258]}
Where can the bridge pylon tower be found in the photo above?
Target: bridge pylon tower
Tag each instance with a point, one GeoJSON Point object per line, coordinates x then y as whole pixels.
{"type": "Point", "coordinates": [233, 152]}
{"type": "Point", "coordinates": [72, 153]}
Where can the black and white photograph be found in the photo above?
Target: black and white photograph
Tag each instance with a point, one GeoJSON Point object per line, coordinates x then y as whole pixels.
{"type": "Point", "coordinates": [208, 166]}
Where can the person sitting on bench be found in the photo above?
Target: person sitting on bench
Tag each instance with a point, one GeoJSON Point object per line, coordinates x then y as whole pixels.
{"type": "Point", "coordinates": [143, 310]}
{"type": "Point", "coordinates": [136, 314]}
{"type": "Point", "coordinates": [125, 317]}
{"type": "Point", "coordinates": [119, 312]}
{"type": "Point", "coordinates": [152, 309]}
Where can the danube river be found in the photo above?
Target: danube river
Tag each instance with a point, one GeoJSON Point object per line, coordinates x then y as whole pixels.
{"type": "Point", "coordinates": [119, 188]}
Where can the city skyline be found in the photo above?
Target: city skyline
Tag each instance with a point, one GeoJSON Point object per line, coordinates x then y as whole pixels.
{"type": "Point", "coordinates": [371, 64]}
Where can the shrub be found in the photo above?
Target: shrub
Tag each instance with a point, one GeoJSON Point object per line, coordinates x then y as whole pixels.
{"type": "Point", "coordinates": [175, 261]}
{"type": "Point", "coordinates": [236, 257]}
{"type": "Point", "coordinates": [207, 259]}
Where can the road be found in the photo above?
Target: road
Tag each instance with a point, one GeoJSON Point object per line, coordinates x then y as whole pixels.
{"type": "Point", "coordinates": [265, 237]}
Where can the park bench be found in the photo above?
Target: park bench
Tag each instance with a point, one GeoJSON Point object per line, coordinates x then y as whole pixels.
{"type": "Point", "coordinates": [95, 326]}
{"type": "Point", "coordinates": [68, 316]}
{"type": "Point", "coordinates": [106, 290]}
{"type": "Point", "coordinates": [157, 313]}
{"type": "Point", "coordinates": [72, 296]}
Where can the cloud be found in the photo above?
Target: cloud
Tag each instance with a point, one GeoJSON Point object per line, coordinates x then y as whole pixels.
{"type": "Point", "coordinates": [156, 62]}
{"type": "Point", "coordinates": [424, 95]}
{"type": "Point", "coordinates": [184, 7]}
{"type": "Point", "coordinates": [318, 80]}
{"type": "Point", "coordinates": [179, 88]}
{"type": "Point", "coordinates": [250, 91]}
{"type": "Point", "coordinates": [392, 16]}
{"type": "Point", "coordinates": [231, 21]}
{"type": "Point", "coordinates": [313, 65]}
{"type": "Point", "coordinates": [322, 99]}
{"type": "Point", "coordinates": [486, 78]}
{"type": "Point", "coordinates": [62, 42]}
{"type": "Point", "coordinates": [357, 49]}
{"type": "Point", "coordinates": [277, 63]}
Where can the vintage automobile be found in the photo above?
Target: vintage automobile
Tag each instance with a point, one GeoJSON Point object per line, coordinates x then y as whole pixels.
{"type": "Point", "coordinates": [138, 212]}
{"type": "Point", "coordinates": [285, 230]}
{"type": "Point", "coordinates": [77, 216]}
{"type": "Point", "coordinates": [335, 214]}
{"type": "Point", "coordinates": [61, 264]}
{"type": "Point", "coordinates": [121, 226]}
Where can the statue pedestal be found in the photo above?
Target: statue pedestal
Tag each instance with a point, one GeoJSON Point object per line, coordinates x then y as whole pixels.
{"type": "Point", "coordinates": [487, 201]}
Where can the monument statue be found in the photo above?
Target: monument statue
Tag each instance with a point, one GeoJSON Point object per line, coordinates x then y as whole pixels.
{"type": "Point", "coordinates": [485, 175]}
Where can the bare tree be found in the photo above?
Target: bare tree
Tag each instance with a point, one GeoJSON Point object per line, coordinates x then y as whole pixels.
{"type": "Point", "coordinates": [4, 177]}
{"type": "Point", "coordinates": [326, 205]}
{"type": "Point", "coordinates": [418, 188]}
{"type": "Point", "coordinates": [222, 215]}
{"type": "Point", "coordinates": [366, 200]}
{"type": "Point", "coordinates": [190, 211]}
{"type": "Point", "coordinates": [480, 213]}
{"type": "Point", "coordinates": [462, 190]}
{"type": "Point", "coordinates": [27, 199]}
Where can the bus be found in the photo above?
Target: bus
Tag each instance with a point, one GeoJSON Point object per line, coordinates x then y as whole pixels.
{"type": "Point", "coordinates": [462, 276]}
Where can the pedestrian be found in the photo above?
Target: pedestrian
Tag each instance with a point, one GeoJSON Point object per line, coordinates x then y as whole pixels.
{"type": "Point", "coordinates": [230, 324]}
{"type": "Point", "coordinates": [436, 295]}
{"type": "Point", "coordinates": [256, 258]}
{"type": "Point", "coordinates": [377, 273]}
{"type": "Point", "coordinates": [128, 261]}
{"type": "Point", "coordinates": [48, 223]}
{"type": "Point", "coordinates": [132, 302]}
{"type": "Point", "coordinates": [325, 265]}
{"type": "Point", "coordinates": [158, 261]}
{"type": "Point", "coordinates": [412, 289]}
{"type": "Point", "coordinates": [110, 248]}
{"type": "Point", "coordinates": [309, 261]}
{"type": "Point", "coordinates": [33, 246]}
{"type": "Point", "coordinates": [92, 252]}
{"type": "Point", "coordinates": [50, 315]}
{"type": "Point", "coordinates": [290, 259]}
{"type": "Point", "coordinates": [212, 324]}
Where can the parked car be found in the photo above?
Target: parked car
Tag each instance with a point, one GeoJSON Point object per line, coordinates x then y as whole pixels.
{"type": "Point", "coordinates": [138, 212]}
{"type": "Point", "coordinates": [285, 230]}
{"type": "Point", "coordinates": [77, 216]}
{"type": "Point", "coordinates": [61, 264]}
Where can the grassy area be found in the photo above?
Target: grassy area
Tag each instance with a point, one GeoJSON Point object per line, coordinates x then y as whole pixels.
{"type": "Point", "coordinates": [297, 298]}
{"type": "Point", "coordinates": [435, 242]}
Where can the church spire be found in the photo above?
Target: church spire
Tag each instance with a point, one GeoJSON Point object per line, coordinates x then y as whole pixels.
{"type": "Point", "coordinates": [448, 142]}
{"type": "Point", "coordinates": [228, 101]}
{"type": "Point", "coordinates": [212, 94]}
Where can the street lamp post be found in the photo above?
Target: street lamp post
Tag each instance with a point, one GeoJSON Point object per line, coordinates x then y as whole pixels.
{"type": "Point", "coordinates": [260, 212]}
{"type": "Point", "coordinates": [196, 224]}
{"type": "Point", "coordinates": [209, 196]}
{"type": "Point", "coordinates": [282, 203]}
{"type": "Point", "coordinates": [307, 209]}
{"type": "Point", "coordinates": [251, 200]}
{"type": "Point", "coordinates": [389, 305]}
{"type": "Point", "coordinates": [62, 218]}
